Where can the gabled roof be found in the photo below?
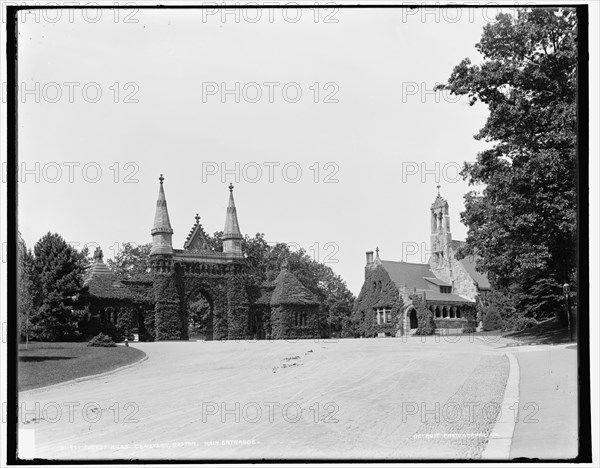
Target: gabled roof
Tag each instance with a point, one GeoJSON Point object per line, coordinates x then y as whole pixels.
{"type": "Point", "coordinates": [289, 290]}
{"type": "Point", "coordinates": [196, 239]}
{"type": "Point", "coordinates": [470, 263]}
{"type": "Point", "coordinates": [411, 275]}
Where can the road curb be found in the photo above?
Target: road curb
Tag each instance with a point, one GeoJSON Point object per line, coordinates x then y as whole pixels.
{"type": "Point", "coordinates": [82, 379]}
{"type": "Point", "coordinates": [498, 446]}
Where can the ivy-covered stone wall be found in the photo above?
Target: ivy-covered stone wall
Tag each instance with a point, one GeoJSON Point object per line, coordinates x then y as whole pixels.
{"type": "Point", "coordinates": [168, 323]}
{"type": "Point", "coordinates": [284, 325]}
{"type": "Point", "coordinates": [237, 308]}
{"type": "Point", "coordinates": [378, 291]}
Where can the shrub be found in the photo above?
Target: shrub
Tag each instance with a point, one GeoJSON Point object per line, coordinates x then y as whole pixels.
{"type": "Point", "coordinates": [492, 320]}
{"type": "Point", "coordinates": [468, 330]}
{"type": "Point", "coordinates": [102, 340]}
{"type": "Point", "coordinates": [523, 323]}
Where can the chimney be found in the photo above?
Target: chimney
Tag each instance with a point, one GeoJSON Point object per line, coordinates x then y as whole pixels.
{"type": "Point", "coordinates": [369, 257]}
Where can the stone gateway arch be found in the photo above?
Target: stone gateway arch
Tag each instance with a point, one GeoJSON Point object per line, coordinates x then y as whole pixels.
{"type": "Point", "coordinates": [181, 276]}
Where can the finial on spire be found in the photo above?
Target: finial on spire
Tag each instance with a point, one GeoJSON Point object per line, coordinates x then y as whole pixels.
{"type": "Point", "coordinates": [161, 178]}
{"type": "Point", "coordinates": [438, 187]}
{"type": "Point", "coordinates": [230, 187]}
{"type": "Point", "coordinates": [377, 251]}
{"type": "Point", "coordinates": [197, 217]}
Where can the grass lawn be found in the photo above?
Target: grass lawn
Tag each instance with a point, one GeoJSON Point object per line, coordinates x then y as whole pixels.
{"type": "Point", "coordinates": [50, 363]}
{"type": "Point", "coordinates": [547, 332]}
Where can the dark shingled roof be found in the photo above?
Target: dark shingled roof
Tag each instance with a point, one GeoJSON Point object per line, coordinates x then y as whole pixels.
{"type": "Point", "coordinates": [289, 290]}
{"type": "Point", "coordinates": [431, 295]}
{"type": "Point", "coordinates": [410, 274]}
{"type": "Point", "coordinates": [102, 282]}
{"type": "Point", "coordinates": [470, 263]}
{"type": "Point", "coordinates": [437, 282]}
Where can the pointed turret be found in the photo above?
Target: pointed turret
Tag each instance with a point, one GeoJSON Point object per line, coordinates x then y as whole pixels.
{"type": "Point", "coordinates": [232, 237]}
{"type": "Point", "coordinates": [161, 231]}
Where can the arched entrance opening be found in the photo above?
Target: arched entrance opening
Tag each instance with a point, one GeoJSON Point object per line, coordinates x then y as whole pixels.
{"type": "Point", "coordinates": [199, 307]}
{"type": "Point", "coordinates": [414, 323]}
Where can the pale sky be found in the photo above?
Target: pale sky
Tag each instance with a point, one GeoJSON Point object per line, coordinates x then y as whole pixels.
{"type": "Point", "coordinates": [382, 132]}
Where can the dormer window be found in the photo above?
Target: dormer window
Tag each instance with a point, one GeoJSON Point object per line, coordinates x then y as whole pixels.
{"type": "Point", "coordinates": [446, 289]}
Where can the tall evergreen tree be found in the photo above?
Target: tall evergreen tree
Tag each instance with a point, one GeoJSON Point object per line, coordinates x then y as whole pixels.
{"type": "Point", "coordinates": [58, 271]}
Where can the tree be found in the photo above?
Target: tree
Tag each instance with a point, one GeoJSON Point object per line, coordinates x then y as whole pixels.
{"type": "Point", "coordinates": [132, 261]}
{"type": "Point", "coordinates": [199, 314]}
{"type": "Point", "coordinates": [57, 270]}
{"type": "Point", "coordinates": [26, 288]}
{"type": "Point", "coordinates": [492, 320]}
{"type": "Point", "coordinates": [523, 224]}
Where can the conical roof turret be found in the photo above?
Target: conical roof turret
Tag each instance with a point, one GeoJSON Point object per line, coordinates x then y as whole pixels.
{"type": "Point", "coordinates": [232, 227]}
{"type": "Point", "coordinates": [162, 232]}
{"type": "Point", "coordinates": [161, 216]}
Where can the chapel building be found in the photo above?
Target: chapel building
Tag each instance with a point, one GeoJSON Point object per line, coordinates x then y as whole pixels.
{"type": "Point", "coordinates": [449, 287]}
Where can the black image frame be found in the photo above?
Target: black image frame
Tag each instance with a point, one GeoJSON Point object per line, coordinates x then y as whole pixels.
{"type": "Point", "coordinates": [583, 349]}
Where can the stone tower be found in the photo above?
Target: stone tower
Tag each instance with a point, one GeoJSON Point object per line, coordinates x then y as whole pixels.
{"type": "Point", "coordinates": [232, 237]}
{"type": "Point", "coordinates": [440, 231]}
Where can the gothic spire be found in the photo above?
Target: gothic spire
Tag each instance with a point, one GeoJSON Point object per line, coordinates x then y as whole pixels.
{"type": "Point", "coordinates": [161, 230]}
{"type": "Point", "coordinates": [232, 227]}
{"type": "Point", "coordinates": [231, 234]}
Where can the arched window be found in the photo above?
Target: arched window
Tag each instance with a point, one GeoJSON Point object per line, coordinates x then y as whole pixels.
{"type": "Point", "coordinates": [452, 314]}
{"type": "Point", "coordinates": [444, 312]}
{"type": "Point", "coordinates": [458, 313]}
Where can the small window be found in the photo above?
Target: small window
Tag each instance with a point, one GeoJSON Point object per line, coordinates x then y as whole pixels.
{"type": "Point", "coordinates": [383, 315]}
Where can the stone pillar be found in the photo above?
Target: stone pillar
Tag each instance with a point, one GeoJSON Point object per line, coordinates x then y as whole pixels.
{"type": "Point", "coordinates": [220, 314]}
{"type": "Point", "coordinates": [237, 309]}
{"type": "Point", "coordinates": [167, 310]}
